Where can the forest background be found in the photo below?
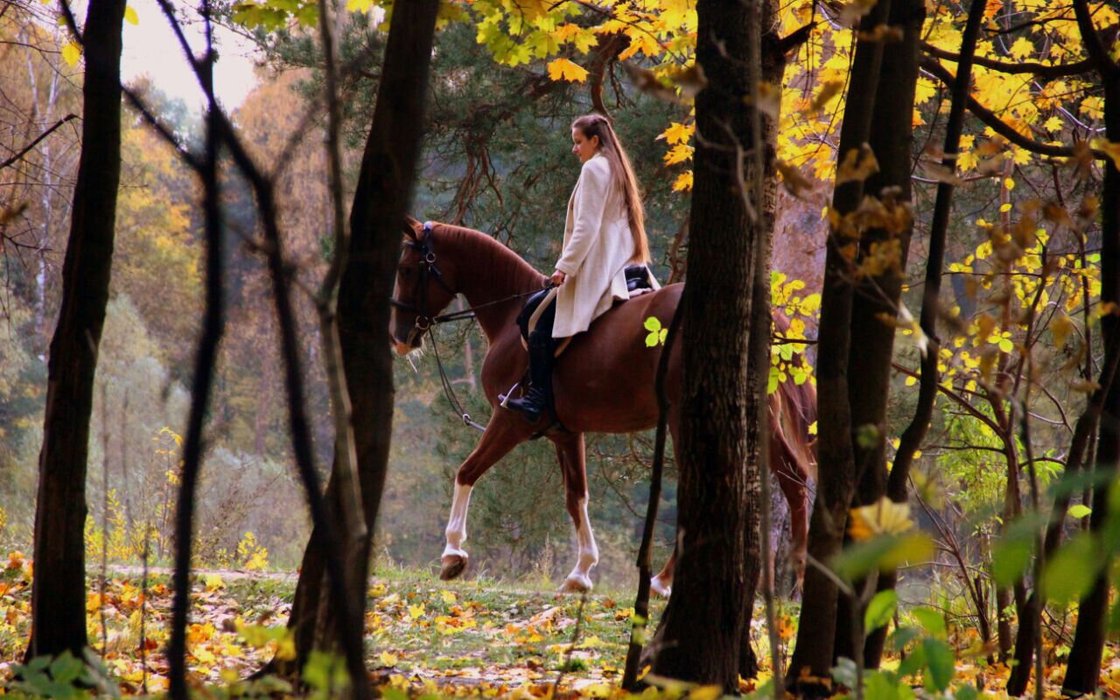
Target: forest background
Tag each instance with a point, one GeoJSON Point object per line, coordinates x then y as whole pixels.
{"type": "Point", "coordinates": [496, 146]}
{"type": "Point", "coordinates": [493, 160]}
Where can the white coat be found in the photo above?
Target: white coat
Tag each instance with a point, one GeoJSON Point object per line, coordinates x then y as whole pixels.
{"type": "Point", "coordinates": [598, 246]}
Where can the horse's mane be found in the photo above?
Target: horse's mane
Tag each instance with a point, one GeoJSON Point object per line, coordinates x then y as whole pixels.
{"type": "Point", "coordinates": [499, 259]}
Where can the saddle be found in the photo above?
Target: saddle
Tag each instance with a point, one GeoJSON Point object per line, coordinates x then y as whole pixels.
{"type": "Point", "coordinates": [637, 282]}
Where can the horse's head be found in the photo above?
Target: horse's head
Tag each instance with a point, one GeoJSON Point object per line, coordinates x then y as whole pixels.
{"type": "Point", "coordinates": [424, 287]}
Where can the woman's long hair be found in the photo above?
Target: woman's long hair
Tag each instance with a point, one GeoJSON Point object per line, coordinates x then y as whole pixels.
{"type": "Point", "coordinates": [623, 176]}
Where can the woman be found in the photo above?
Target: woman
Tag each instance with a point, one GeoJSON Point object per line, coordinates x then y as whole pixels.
{"type": "Point", "coordinates": [604, 232]}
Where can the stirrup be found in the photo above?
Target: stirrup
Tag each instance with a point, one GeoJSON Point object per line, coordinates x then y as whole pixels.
{"type": "Point", "coordinates": [533, 405]}
{"type": "Point", "coordinates": [503, 399]}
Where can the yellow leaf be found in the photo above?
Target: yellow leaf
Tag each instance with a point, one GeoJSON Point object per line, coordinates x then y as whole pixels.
{"type": "Point", "coordinates": [641, 41]}
{"type": "Point", "coordinates": [359, 5]}
{"type": "Point", "coordinates": [884, 517]}
{"type": "Point", "coordinates": [416, 611]}
{"type": "Point", "coordinates": [683, 183]}
{"type": "Point", "coordinates": [286, 648]}
{"type": "Point", "coordinates": [130, 16]}
{"type": "Point", "coordinates": [677, 133]}
{"type": "Point", "coordinates": [71, 53]}
{"type": "Point", "coordinates": [563, 69]}
{"type": "Point", "coordinates": [679, 154]}
{"type": "Point", "coordinates": [388, 659]}
{"type": "Point", "coordinates": [583, 39]}
{"type": "Point", "coordinates": [449, 597]}
{"type": "Point", "coordinates": [1022, 48]}
{"type": "Point", "coordinates": [858, 165]}
{"type": "Point", "coordinates": [706, 692]}
{"type": "Point", "coordinates": [1110, 149]}
{"type": "Point", "coordinates": [1061, 327]}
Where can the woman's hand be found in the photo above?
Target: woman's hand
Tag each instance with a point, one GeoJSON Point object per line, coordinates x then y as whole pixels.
{"type": "Point", "coordinates": [558, 278]}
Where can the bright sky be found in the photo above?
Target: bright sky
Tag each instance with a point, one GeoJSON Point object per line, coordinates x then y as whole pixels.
{"type": "Point", "coordinates": [151, 48]}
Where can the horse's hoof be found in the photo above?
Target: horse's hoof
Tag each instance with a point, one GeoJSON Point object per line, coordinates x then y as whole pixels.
{"type": "Point", "coordinates": [576, 583]}
{"type": "Point", "coordinates": [659, 587]}
{"type": "Point", "coordinates": [452, 566]}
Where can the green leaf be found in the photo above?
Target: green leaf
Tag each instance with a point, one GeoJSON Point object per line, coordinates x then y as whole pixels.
{"type": "Point", "coordinates": [903, 636]}
{"type": "Point", "coordinates": [844, 672]}
{"type": "Point", "coordinates": [931, 620]}
{"type": "Point", "coordinates": [914, 661]}
{"type": "Point", "coordinates": [967, 692]}
{"type": "Point", "coordinates": [879, 610]}
{"type": "Point", "coordinates": [883, 685]}
{"type": "Point", "coordinates": [1012, 553]}
{"type": "Point", "coordinates": [868, 436]}
{"type": "Point", "coordinates": [1070, 573]}
{"type": "Point", "coordinates": [65, 668]}
{"type": "Point", "coordinates": [1079, 511]}
{"type": "Point", "coordinates": [940, 662]}
{"type": "Point", "coordinates": [1077, 482]}
{"type": "Point", "coordinates": [1114, 619]}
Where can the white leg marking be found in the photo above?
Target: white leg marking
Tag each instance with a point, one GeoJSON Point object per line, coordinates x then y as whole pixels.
{"type": "Point", "coordinates": [580, 578]}
{"type": "Point", "coordinates": [457, 524]}
{"type": "Point", "coordinates": [661, 585]}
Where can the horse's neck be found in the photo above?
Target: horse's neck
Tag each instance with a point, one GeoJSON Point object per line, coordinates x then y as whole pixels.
{"type": "Point", "coordinates": [490, 272]}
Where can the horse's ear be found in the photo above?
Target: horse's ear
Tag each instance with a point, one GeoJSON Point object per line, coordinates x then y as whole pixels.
{"type": "Point", "coordinates": [411, 227]}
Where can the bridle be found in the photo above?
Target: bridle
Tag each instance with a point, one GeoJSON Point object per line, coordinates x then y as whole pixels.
{"type": "Point", "coordinates": [423, 244]}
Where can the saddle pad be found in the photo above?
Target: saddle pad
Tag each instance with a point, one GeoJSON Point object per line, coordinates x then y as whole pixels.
{"type": "Point", "coordinates": [534, 307]}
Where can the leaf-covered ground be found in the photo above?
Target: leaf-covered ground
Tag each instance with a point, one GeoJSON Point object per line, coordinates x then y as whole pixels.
{"type": "Point", "coordinates": [424, 637]}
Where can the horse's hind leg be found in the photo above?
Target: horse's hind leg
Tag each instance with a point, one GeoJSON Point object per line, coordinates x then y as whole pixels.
{"type": "Point", "coordinates": [793, 480]}
{"type": "Point", "coordinates": [573, 465]}
{"type": "Point", "coordinates": [662, 583]}
{"type": "Point", "coordinates": [501, 436]}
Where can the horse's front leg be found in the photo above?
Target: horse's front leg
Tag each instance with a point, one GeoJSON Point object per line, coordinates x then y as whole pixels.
{"type": "Point", "coordinates": [501, 436]}
{"type": "Point", "coordinates": [573, 465]}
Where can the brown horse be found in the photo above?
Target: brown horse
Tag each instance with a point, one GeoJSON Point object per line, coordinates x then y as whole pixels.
{"type": "Point", "coordinates": [603, 381]}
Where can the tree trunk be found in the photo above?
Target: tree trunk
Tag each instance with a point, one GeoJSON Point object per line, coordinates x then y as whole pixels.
{"type": "Point", "coordinates": [58, 600]}
{"type": "Point", "coordinates": [702, 635]}
{"type": "Point", "coordinates": [377, 214]}
{"type": "Point", "coordinates": [1083, 669]}
{"type": "Point", "coordinates": [914, 434]}
{"type": "Point", "coordinates": [876, 297]}
{"type": "Point", "coordinates": [836, 483]}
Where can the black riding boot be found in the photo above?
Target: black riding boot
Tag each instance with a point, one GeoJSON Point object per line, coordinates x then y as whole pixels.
{"type": "Point", "coordinates": [538, 398]}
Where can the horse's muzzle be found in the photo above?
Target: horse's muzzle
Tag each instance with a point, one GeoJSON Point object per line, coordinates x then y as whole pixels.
{"type": "Point", "coordinates": [411, 342]}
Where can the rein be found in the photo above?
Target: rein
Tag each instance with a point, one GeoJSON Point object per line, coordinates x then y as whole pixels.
{"type": "Point", "coordinates": [425, 322]}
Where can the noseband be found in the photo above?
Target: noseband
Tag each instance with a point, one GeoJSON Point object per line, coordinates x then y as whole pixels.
{"type": "Point", "coordinates": [426, 268]}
